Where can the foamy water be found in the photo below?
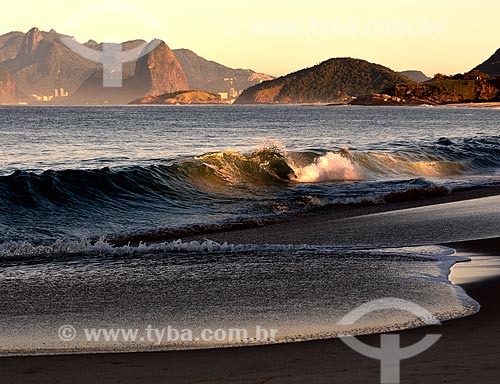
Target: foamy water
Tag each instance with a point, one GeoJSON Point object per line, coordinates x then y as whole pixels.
{"type": "Point", "coordinates": [330, 167]}
{"type": "Point", "coordinates": [300, 291]}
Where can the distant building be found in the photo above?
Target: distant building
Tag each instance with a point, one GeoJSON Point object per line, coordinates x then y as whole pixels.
{"type": "Point", "coordinates": [48, 98]}
{"type": "Point", "coordinates": [224, 95]}
{"type": "Point", "coordinates": [43, 98]}
{"type": "Point", "coordinates": [233, 94]}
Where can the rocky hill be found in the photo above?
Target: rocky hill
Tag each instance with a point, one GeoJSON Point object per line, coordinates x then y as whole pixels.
{"type": "Point", "coordinates": [335, 80]}
{"type": "Point", "coordinates": [183, 98]}
{"type": "Point", "coordinates": [491, 66]}
{"type": "Point", "coordinates": [417, 76]}
{"type": "Point", "coordinates": [214, 77]}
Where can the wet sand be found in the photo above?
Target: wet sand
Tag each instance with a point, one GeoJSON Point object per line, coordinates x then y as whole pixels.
{"type": "Point", "coordinates": [468, 351]}
{"type": "Point", "coordinates": [461, 216]}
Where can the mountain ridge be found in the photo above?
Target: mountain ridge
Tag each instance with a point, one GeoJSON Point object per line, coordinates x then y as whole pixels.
{"type": "Point", "coordinates": [491, 66]}
{"type": "Point", "coordinates": [43, 68]}
{"type": "Point", "coordinates": [39, 68]}
{"type": "Point", "coordinates": [42, 63]}
{"type": "Point", "coordinates": [210, 76]}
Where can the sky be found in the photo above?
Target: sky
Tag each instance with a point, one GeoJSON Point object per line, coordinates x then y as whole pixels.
{"type": "Point", "coordinates": [277, 37]}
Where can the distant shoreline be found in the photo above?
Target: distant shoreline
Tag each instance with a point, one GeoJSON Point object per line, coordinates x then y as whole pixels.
{"type": "Point", "coordinates": [486, 105]}
{"type": "Point", "coordinates": [492, 105]}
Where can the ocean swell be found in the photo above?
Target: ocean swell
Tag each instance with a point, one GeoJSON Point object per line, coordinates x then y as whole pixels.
{"type": "Point", "coordinates": [224, 187]}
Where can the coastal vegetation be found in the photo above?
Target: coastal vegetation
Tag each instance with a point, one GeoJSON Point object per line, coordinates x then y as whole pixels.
{"type": "Point", "coordinates": [473, 86]}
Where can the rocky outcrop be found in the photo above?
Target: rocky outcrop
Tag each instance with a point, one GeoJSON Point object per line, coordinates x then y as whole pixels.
{"type": "Point", "coordinates": [379, 99]}
{"type": "Point", "coordinates": [182, 98]}
{"type": "Point", "coordinates": [471, 87]}
{"type": "Point", "coordinates": [160, 70]}
{"type": "Point", "coordinates": [29, 45]}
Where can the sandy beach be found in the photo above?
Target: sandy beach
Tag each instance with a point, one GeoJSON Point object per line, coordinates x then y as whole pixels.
{"type": "Point", "coordinates": [468, 350]}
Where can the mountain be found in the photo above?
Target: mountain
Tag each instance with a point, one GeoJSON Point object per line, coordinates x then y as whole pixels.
{"type": "Point", "coordinates": [210, 76]}
{"type": "Point", "coordinates": [417, 76]}
{"type": "Point", "coordinates": [153, 74]}
{"type": "Point", "coordinates": [39, 63]}
{"type": "Point", "coordinates": [47, 71]}
{"type": "Point", "coordinates": [335, 80]}
{"type": "Point", "coordinates": [44, 68]}
{"type": "Point", "coordinates": [7, 89]}
{"type": "Point", "coordinates": [491, 66]}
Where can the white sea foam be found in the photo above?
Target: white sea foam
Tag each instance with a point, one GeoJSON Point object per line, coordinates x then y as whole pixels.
{"type": "Point", "coordinates": [103, 247]}
{"type": "Point", "coordinates": [352, 276]}
{"type": "Point", "coordinates": [330, 167]}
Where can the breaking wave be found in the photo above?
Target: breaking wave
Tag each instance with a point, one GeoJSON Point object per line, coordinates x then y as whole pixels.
{"type": "Point", "coordinates": [228, 186]}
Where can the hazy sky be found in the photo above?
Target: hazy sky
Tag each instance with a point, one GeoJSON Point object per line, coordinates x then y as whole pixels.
{"type": "Point", "coordinates": [276, 36]}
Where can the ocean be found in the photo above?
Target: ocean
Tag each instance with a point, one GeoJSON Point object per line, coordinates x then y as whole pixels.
{"type": "Point", "coordinates": [84, 189]}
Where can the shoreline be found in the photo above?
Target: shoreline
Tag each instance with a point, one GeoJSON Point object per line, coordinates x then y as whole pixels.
{"type": "Point", "coordinates": [488, 104]}
{"type": "Point", "coordinates": [412, 222]}
{"type": "Point", "coordinates": [467, 351]}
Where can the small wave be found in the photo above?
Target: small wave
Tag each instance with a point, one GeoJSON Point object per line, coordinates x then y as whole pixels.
{"type": "Point", "coordinates": [103, 247]}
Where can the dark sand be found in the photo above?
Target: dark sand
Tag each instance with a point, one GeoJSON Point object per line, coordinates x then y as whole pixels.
{"type": "Point", "coordinates": [469, 350]}
{"type": "Point", "coordinates": [462, 216]}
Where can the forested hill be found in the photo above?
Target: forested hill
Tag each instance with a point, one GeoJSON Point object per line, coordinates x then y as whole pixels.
{"type": "Point", "coordinates": [334, 80]}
